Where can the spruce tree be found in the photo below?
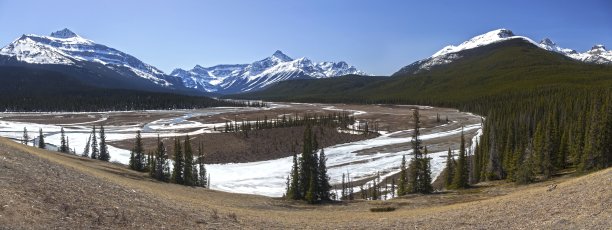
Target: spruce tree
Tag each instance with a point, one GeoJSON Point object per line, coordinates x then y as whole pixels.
{"type": "Point", "coordinates": [460, 177]}
{"type": "Point", "coordinates": [293, 190]}
{"type": "Point", "coordinates": [201, 167]}
{"type": "Point", "coordinates": [137, 154]}
{"type": "Point", "coordinates": [425, 174]}
{"type": "Point", "coordinates": [104, 155]}
{"type": "Point", "coordinates": [179, 166]}
{"type": "Point", "coordinates": [311, 196]}
{"type": "Point", "coordinates": [62, 147]}
{"type": "Point", "coordinates": [188, 164]}
{"type": "Point", "coordinates": [26, 137]}
{"type": "Point", "coordinates": [161, 161]}
{"type": "Point", "coordinates": [401, 185]}
{"type": "Point", "coordinates": [450, 169]}
{"type": "Point", "coordinates": [419, 174]}
{"type": "Point", "coordinates": [94, 144]}
{"type": "Point", "coordinates": [41, 139]}
{"type": "Point", "coordinates": [324, 185]}
{"type": "Point", "coordinates": [87, 146]}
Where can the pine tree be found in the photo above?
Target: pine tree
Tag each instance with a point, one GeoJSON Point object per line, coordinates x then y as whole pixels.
{"type": "Point", "coordinates": [177, 173]}
{"type": "Point", "coordinates": [104, 155]}
{"type": "Point", "coordinates": [324, 186]}
{"type": "Point", "coordinates": [293, 192]}
{"type": "Point", "coordinates": [401, 185]}
{"type": "Point", "coordinates": [460, 179]}
{"type": "Point", "coordinates": [62, 147]}
{"type": "Point", "coordinates": [201, 167]}
{"type": "Point", "coordinates": [26, 137]}
{"type": "Point", "coordinates": [87, 146]}
{"type": "Point", "coordinates": [311, 193]}
{"type": "Point", "coordinates": [188, 164]}
{"type": "Point", "coordinates": [161, 161]}
{"type": "Point", "coordinates": [94, 144]}
{"type": "Point", "coordinates": [137, 154]}
{"type": "Point", "coordinates": [450, 169]}
{"type": "Point", "coordinates": [41, 139]}
{"type": "Point", "coordinates": [425, 174]}
{"type": "Point", "coordinates": [419, 173]}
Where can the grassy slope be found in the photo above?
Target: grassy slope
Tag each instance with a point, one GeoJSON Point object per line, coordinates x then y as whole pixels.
{"type": "Point", "coordinates": [496, 69]}
{"type": "Point", "coordinates": [488, 206]}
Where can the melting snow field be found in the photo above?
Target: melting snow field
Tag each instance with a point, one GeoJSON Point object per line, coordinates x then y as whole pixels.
{"type": "Point", "coordinates": [263, 177]}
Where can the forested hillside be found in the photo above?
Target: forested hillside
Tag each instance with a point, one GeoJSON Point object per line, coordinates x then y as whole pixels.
{"type": "Point", "coordinates": [543, 112]}
{"type": "Point", "coordinates": [34, 90]}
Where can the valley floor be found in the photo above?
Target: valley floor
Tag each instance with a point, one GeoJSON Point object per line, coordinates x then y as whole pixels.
{"type": "Point", "coordinates": [42, 190]}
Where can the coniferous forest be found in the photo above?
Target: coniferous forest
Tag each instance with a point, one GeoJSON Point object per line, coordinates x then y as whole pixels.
{"type": "Point", "coordinates": [542, 114]}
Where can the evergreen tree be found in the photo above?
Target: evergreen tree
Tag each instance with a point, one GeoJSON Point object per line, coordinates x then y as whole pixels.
{"type": "Point", "coordinates": [161, 161]}
{"type": "Point", "coordinates": [293, 190]}
{"type": "Point", "coordinates": [94, 144]}
{"type": "Point", "coordinates": [202, 169]}
{"type": "Point", "coordinates": [104, 155]}
{"type": "Point", "coordinates": [460, 177]}
{"type": "Point", "coordinates": [311, 196]}
{"type": "Point", "coordinates": [424, 179]}
{"type": "Point", "coordinates": [324, 186]}
{"type": "Point", "coordinates": [137, 155]}
{"type": "Point", "coordinates": [63, 147]}
{"type": "Point", "coordinates": [401, 185]}
{"type": "Point", "coordinates": [419, 173]}
{"type": "Point", "coordinates": [179, 166]}
{"type": "Point", "coordinates": [188, 174]}
{"type": "Point", "coordinates": [450, 169]}
{"type": "Point", "coordinates": [41, 139]}
{"type": "Point", "coordinates": [26, 137]}
{"type": "Point", "coordinates": [87, 146]}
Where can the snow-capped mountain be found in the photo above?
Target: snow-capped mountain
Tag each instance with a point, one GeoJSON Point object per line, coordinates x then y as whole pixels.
{"type": "Point", "coordinates": [65, 47]}
{"type": "Point", "coordinates": [598, 54]}
{"type": "Point", "coordinates": [259, 74]}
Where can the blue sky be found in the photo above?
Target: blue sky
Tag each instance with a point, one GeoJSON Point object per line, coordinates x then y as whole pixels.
{"type": "Point", "coordinates": [377, 36]}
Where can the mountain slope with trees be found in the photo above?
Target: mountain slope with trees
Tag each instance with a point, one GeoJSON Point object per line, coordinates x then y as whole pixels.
{"type": "Point", "coordinates": [544, 112]}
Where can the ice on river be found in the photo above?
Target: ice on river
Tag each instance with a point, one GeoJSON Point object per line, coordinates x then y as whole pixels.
{"type": "Point", "coordinates": [264, 177]}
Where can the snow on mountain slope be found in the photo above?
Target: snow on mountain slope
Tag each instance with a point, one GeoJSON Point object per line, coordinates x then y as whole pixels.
{"type": "Point", "coordinates": [481, 40]}
{"type": "Point", "coordinates": [64, 47]}
{"type": "Point", "coordinates": [598, 54]}
{"type": "Point", "coordinates": [247, 77]}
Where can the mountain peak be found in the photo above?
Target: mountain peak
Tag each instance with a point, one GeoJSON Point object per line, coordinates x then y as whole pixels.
{"type": "Point", "coordinates": [477, 41]}
{"type": "Point", "coordinates": [548, 42]}
{"type": "Point", "coordinates": [599, 47]}
{"type": "Point", "coordinates": [280, 55]}
{"type": "Point", "coordinates": [503, 33]}
{"type": "Point", "coordinates": [65, 33]}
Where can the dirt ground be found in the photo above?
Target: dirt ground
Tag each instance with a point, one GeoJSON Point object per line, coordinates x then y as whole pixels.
{"type": "Point", "coordinates": [44, 190]}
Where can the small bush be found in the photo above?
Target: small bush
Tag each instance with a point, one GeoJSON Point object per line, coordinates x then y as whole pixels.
{"type": "Point", "coordinates": [382, 209]}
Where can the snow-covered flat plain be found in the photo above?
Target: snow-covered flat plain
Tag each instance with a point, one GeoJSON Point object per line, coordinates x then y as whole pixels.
{"type": "Point", "coordinates": [263, 177]}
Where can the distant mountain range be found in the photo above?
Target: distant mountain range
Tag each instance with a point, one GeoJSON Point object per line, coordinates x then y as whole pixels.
{"type": "Point", "coordinates": [257, 75]}
{"type": "Point", "coordinates": [102, 66]}
{"type": "Point", "coordinates": [597, 55]}
{"type": "Point", "coordinates": [98, 65]}
{"type": "Point", "coordinates": [493, 64]}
